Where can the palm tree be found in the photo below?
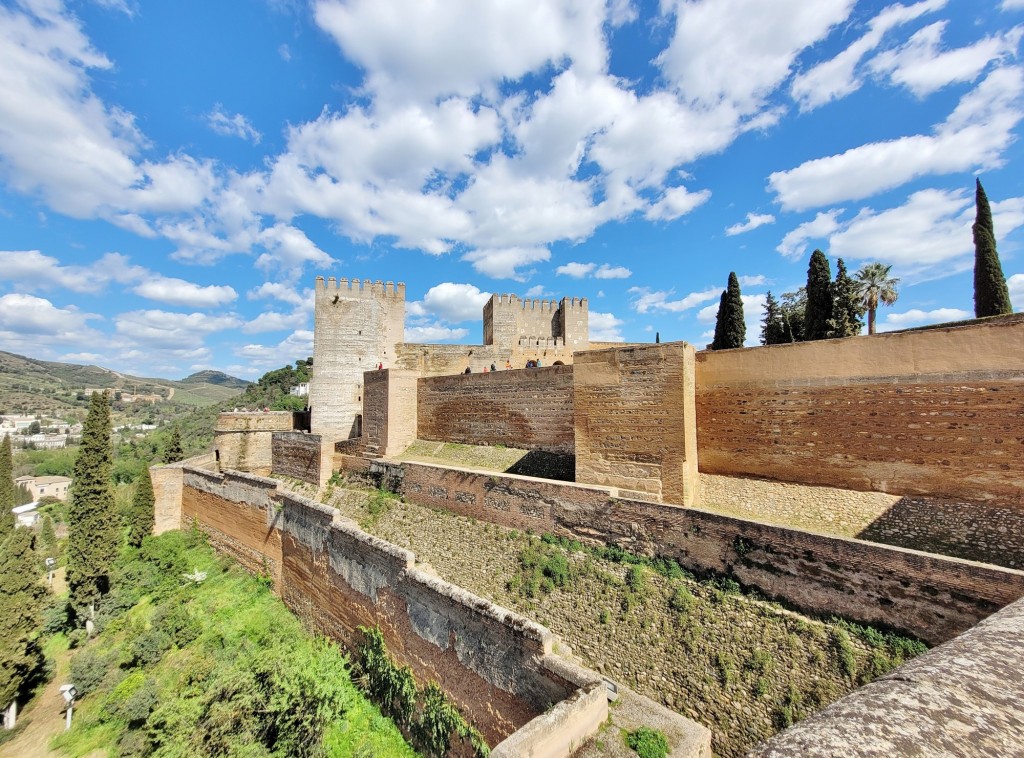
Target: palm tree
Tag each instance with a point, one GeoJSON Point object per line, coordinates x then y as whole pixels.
{"type": "Point", "coordinates": [876, 287]}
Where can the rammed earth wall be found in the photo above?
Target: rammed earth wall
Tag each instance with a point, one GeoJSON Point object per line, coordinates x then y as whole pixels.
{"type": "Point", "coordinates": [297, 455]}
{"type": "Point", "coordinates": [496, 665]}
{"type": "Point", "coordinates": [932, 597]}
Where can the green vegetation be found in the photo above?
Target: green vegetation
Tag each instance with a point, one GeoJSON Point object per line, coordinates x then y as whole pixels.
{"type": "Point", "coordinates": [991, 296]}
{"type": "Point", "coordinates": [794, 308]}
{"type": "Point", "coordinates": [775, 329]}
{"type": "Point", "coordinates": [876, 286]}
{"type": "Point", "coordinates": [819, 298]}
{"type": "Point", "coordinates": [6, 488]}
{"type": "Point", "coordinates": [426, 713]}
{"type": "Point", "coordinates": [21, 659]}
{"type": "Point", "coordinates": [543, 567]}
{"type": "Point", "coordinates": [647, 742]}
{"type": "Point", "coordinates": [271, 389]}
{"type": "Point", "coordinates": [173, 452]}
{"type": "Point", "coordinates": [140, 516]}
{"type": "Point", "coordinates": [730, 328]}
{"type": "Point", "coordinates": [93, 530]}
{"type": "Point", "coordinates": [847, 306]}
{"type": "Point", "coordinates": [196, 658]}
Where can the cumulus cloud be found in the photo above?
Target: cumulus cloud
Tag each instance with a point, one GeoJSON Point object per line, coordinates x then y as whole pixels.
{"type": "Point", "coordinates": [259, 358]}
{"type": "Point", "coordinates": [753, 221]}
{"type": "Point", "coordinates": [605, 327]}
{"type": "Point", "coordinates": [167, 330]}
{"type": "Point", "coordinates": [232, 125]}
{"type": "Point", "coordinates": [504, 263]}
{"type": "Point", "coordinates": [283, 292]}
{"type": "Point", "coordinates": [32, 270]}
{"type": "Point", "coordinates": [646, 301]}
{"type": "Point", "coordinates": [434, 333]}
{"type": "Point", "coordinates": [1015, 284]}
{"type": "Point", "coordinates": [794, 244]}
{"type": "Point", "coordinates": [25, 318]}
{"type": "Point", "coordinates": [922, 67]}
{"type": "Point", "coordinates": [289, 248]}
{"type": "Point", "coordinates": [172, 291]}
{"type": "Point", "coordinates": [451, 302]}
{"type": "Point", "coordinates": [605, 271]}
{"type": "Point", "coordinates": [974, 134]}
{"type": "Point", "coordinates": [575, 270]}
{"type": "Point", "coordinates": [918, 317]}
{"type": "Point", "coordinates": [676, 202]}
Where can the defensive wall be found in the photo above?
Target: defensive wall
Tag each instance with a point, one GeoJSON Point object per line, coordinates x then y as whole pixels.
{"type": "Point", "coordinates": [498, 667]}
{"type": "Point", "coordinates": [928, 596]}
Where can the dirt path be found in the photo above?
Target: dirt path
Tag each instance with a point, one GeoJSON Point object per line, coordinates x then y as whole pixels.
{"type": "Point", "coordinates": [43, 719]}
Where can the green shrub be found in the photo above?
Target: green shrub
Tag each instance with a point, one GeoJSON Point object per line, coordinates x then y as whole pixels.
{"type": "Point", "coordinates": [681, 599]}
{"type": "Point", "coordinates": [647, 742]}
{"type": "Point", "coordinates": [636, 579]}
{"type": "Point", "coordinates": [89, 668]}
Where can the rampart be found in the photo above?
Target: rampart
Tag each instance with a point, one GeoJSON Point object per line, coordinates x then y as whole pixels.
{"type": "Point", "coordinates": [242, 441]}
{"type": "Point", "coordinates": [931, 597]}
{"type": "Point", "coordinates": [938, 412]}
{"type": "Point", "coordinates": [530, 408]}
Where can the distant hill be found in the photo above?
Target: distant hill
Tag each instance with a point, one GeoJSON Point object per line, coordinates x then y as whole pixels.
{"type": "Point", "coordinates": [216, 377]}
{"type": "Point", "coordinates": [28, 385]}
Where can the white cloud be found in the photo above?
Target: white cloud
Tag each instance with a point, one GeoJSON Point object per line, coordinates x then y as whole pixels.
{"type": "Point", "coordinates": [289, 248]}
{"type": "Point", "coordinates": [275, 321]}
{"type": "Point", "coordinates": [26, 320]}
{"type": "Point", "coordinates": [504, 263]}
{"type": "Point", "coordinates": [753, 221]}
{"type": "Point", "coordinates": [605, 271]}
{"type": "Point", "coordinates": [676, 202]}
{"type": "Point", "coordinates": [283, 292]}
{"type": "Point", "coordinates": [974, 134]}
{"type": "Point", "coordinates": [235, 125]}
{"type": "Point", "coordinates": [451, 302]}
{"type": "Point", "coordinates": [1015, 284]}
{"type": "Point", "coordinates": [753, 312]}
{"type": "Point", "coordinates": [838, 77]}
{"type": "Point", "coordinates": [755, 280]}
{"type": "Point", "coordinates": [536, 290]}
{"type": "Point", "coordinates": [604, 327]}
{"type": "Point", "coordinates": [923, 68]}
{"type": "Point", "coordinates": [32, 270]}
{"type": "Point", "coordinates": [575, 270]}
{"type": "Point", "coordinates": [917, 317]}
{"type": "Point", "coordinates": [646, 301]}
{"type": "Point", "coordinates": [794, 244]}
{"type": "Point", "coordinates": [180, 292]}
{"type": "Point", "coordinates": [434, 333]}
{"type": "Point", "coordinates": [298, 344]}
{"type": "Point", "coordinates": [166, 330]}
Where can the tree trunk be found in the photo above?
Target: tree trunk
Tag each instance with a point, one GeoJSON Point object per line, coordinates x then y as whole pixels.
{"type": "Point", "coordinates": [871, 320]}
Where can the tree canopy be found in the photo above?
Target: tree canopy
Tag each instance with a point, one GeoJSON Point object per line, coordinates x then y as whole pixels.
{"type": "Point", "coordinates": [847, 305]}
{"type": "Point", "coordinates": [774, 326]}
{"type": "Point", "coordinates": [730, 328]}
{"type": "Point", "coordinates": [876, 286]}
{"type": "Point", "coordinates": [140, 515]}
{"type": "Point", "coordinates": [819, 298]}
{"type": "Point", "coordinates": [991, 295]}
{"type": "Point", "coordinates": [20, 603]}
{"type": "Point", "coordinates": [6, 487]}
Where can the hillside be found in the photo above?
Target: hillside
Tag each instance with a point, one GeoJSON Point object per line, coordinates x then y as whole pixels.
{"type": "Point", "coordinates": [28, 385]}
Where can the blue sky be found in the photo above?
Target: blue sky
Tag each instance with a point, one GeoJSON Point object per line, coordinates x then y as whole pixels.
{"type": "Point", "coordinates": [173, 176]}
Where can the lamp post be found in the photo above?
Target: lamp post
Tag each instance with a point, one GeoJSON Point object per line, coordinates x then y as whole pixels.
{"type": "Point", "coordinates": [70, 693]}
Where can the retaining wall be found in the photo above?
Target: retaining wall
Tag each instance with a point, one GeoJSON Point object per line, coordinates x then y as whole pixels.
{"type": "Point", "coordinates": [528, 408]}
{"type": "Point", "coordinates": [928, 596]}
{"type": "Point", "coordinates": [243, 441]}
{"type": "Point", "coordinates": [297, 455]}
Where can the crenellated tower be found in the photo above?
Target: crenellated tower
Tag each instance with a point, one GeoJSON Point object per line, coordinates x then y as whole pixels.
{"type": "Point", "coordinates": [357, 325]}
{"type": "Point", "coordinates": [508, 321]}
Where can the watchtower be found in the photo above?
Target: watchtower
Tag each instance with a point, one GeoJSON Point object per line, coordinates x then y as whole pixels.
{"type": "Point", "coordinates": [507, 320]}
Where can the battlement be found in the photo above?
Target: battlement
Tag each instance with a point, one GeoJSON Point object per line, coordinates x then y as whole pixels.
{"type": "Point", "coordinates": [509, 320]}
{"type": "Point", "coordinates": [356, 288]}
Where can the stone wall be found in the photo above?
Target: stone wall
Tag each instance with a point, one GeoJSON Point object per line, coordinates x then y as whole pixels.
{"type": "Point", "coordinates": [938, 412]}
{"type": "Point", "coordinates": [389, 410]}
{"type": "Point", "coordinates": [297, 455]}
{"type": "Point", "coordinates": [634, 420]}
{"type": "Point", "coordinates": [964, 698]}
{"type": "Point", "coordinates": [530, 409]}
{"type": "Point", "coordinates": [243, 441]}
{"type": "Point", "coordinates": [168, 482]}
{"type": "Point", "coordinates": [439, 360]}
{"type": "Point", "coordinates": [931, 597]}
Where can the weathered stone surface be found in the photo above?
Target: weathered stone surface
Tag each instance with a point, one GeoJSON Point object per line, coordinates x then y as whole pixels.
{"type": "Point", "coordinates": [965, 698]}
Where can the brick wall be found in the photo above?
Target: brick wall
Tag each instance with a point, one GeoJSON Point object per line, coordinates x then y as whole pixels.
{"type": "Point", "coordinates": [929, 596]}
{"type": "Point", "coordinates": [530, 408]}
{"type": "Point", "coordinates": [634, 420]}
{"type": "Point", "coordinates": [297, 455]}
{"type": "Point", "coordinates": [936, 413]}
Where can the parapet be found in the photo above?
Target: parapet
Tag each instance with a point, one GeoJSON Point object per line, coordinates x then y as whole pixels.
{"type": "Point", "coordinates": [356, 288]}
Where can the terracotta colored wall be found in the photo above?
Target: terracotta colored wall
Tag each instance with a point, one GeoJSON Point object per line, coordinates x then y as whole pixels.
{"type": "Point", "coordinates": [936, 412]}
{"type": "Point", "coordinates": [297, 455]}
{"type": "Point", "coordinates": [528, 408]}
{"type": "Point", "coordinates": [635, 424]}
{"type": "Point", "coordinates": [932, 597]}
{"type": "Point", "coordinates": [389, 410]}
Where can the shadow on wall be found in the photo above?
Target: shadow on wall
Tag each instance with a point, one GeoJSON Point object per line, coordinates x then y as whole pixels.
{"type": "Point", "coordinates": [545, 465]}
{"type": "Point", "coordinates": [973, 531]}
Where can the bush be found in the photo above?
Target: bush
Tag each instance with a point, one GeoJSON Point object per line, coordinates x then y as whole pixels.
{"type": "Point", "coordinates": [681, 600]}
{"type": "Point", "coordinates": [88, 669]}
{"type": "Point", "coordinates": [647, 742]}
{"type": "Point", "coordinates": [147, 648]}
{"type": "Point", "coordinates": [636, 579]}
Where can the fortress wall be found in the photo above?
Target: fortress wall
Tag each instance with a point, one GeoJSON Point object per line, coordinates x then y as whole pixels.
{"type": "Point", "coordinates": [528, 408]}
{"type": "Point", "coordinates": [440, 360]}
{"type": "Point", "coordinates": [929, 596]}
{"type": "Point", "coordinates": [297, 455]}
{"type": "Point", "coordinates": [239, 516]}
{"type": "Point", "coordinates": [389, 410]}
{"type": "Point", "coordinates": [243, 441]}
{"type": "Point", "coordinates": [963, 698]}
{"type": "Point", "coordinates": [635, 420]}
{"type": "Point", "coordinates": [168, 483]}
{"type": "Point", "coordinates": [936, 412]}
{"type": "Point", "coordinates": [496, 665]}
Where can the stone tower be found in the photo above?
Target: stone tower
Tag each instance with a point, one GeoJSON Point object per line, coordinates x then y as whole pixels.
{"type": "Point", "coordinates": [356, 326]}
{"type": "Point", "coordinates": [507, 320]}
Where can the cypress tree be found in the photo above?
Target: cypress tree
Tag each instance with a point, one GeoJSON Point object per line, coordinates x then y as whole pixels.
{"type": "Point", "coordinates": [140, 517]}
{"type": "Point", "coordinates": [173, 452]}
{"type": "Point", "coordinates": [847, 305]}
{"type": "Point", "coordinates": [991, 296]}
{"type": "Point", "coordinates": [6, 488]}
{"type": "Point", "coordinates": [774, 328]}
{"type": "Point", "coordinates": [21, 597]}
{"type": "Point", "coordinates": [819, 297]}
{"type": "Point", "coordinates": [93, 525]}
{"type": "Point", "coordinates": [730, 328]}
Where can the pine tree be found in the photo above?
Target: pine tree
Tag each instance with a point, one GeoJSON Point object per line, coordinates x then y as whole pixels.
{"type": "Point", "coordinates": [819, 297]}
{"type": "Point", "coordinates": [730, 328]}
{"type": "Point", "coordinates": [774, 329]}
{"type": "Point", "coordinates": [93, 526]}
{"type": "Point", "coordinates": [991, 296]}
{"type": "Point", "coordinates": [847, 305]}
{"type": "Point", "coordinates": [140, 517]}
{"type": "Point", "coordinates": [173, 452]}
{"type": "Point", "coordinates": [20, 604]}
{"type": "Point", "coordinates": [6, 488]}
{"type": "Point", "coordinates": [47, 535]}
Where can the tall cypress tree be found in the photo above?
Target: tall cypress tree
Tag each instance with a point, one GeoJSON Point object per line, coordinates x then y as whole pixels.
{"type": "Point", "coordinates": [173, 452]}
{"type": "Point", "coordinates": [847, 305]}
{"type": "Point", "coordinates": [730, 328]}
{"type": "Point", "coordinates": [991, 296]}
{"type": "Point", "coordinates": [20, 604]}
{"type": "Point", "coordinates": [93, 526]}
{"type": "Point", "coordinates": [6, 488]}
{"type": "Point", "coordinates": [819, 297]}
{"type": "Point", "coordinates": [140, 517]}
{"type": "Point", "coordinates": [774, 329]}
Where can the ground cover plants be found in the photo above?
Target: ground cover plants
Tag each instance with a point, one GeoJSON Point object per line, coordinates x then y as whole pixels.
{"type": "Point", "coordinates": [744, 667]}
